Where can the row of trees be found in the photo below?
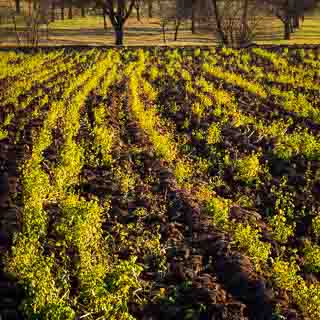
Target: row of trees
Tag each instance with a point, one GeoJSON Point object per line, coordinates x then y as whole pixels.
{"type": "Point", "coordinates": [233, 21]}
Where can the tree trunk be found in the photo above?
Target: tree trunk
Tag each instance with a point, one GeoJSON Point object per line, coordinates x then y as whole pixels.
{"type": "Point", "coordinates": [177, 25]}
{"type": "Point", "coordinates": [104, 13]}
{"type": "Point", "coordinates": [18, 7]}
{"type": "Point", "coordinates": [119, 34]}
{"type": "Point", "coordinates": [287, 30]}
{"type": "Point", "coordinates": [53, 12]}
{"type": "Point", "coordinates": [15, 29]}
{"type": "Point", "coordinates": [62, 13]}
{"type": "Point", "coordinates": [193, 17]}
{"type": "Point", "coordinates": [70, 13]}
{"type": "Point", "coordinates": [83, 12]}
{"type": "Point", "coordinates": [218, 22]}
{"type": "Point", "coordinates": [138, 12]}
{"type": "Point", "coordinates": [296, 22]}
{"type": "Point", "coordinates": [47, 31]}
{"type": "Point", "coordinates": [245, 19]}
{"type": "Point", "coordinates": [163, 27]}
{"type": "Point", "coordinates": [291, 24]}
{"type": "Point", "coordinates": [150, 8]}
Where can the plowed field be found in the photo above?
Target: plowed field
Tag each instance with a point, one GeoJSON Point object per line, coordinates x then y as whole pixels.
{"type": "Point", "coordinates": [160, 184]}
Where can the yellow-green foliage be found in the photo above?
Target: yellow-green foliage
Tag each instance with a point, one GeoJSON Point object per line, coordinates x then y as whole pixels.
{"type": "Point", "coordinates": [201, 165]}
{"type": "Point", "coordinates": [219, 209]}
{"type": "Point", "coordinates": [277, 60]}
{"type": "Point", "coordinates": [27, 261]}
{"type": "Point", "coordinates": [299, 142]}
{"type": "Point", "coordinates": [186, 75]}
{"type": "Point", "coordinates": [154, 73]}
{"type": "Point", "coordinates": [148, 120]}
{"type": "Point", "coordinates": [285, 274]}
{"type": "Point", "coordinates": [197, 109]}
{"type": "Point", "coordinates": [316, 225]}
{"type": "Point", "coordinates": [248, 239]}
{"type": "Point", "coordinates": [222, 97]}
{"type": "Point", "coordinates": [204, 100]}
{"type": "Point", "coordinates": [235, 79]}
{"type": "Point", "coordinates": [126, 178]}
{"type": "Point", "coordinates": [204, 193]}
{"type": "Point", "coordinates": [312, 256]}
{"type": "Point", "coordinates": [214, 134]}
{"type": "Point", "coordinates": [36, 190]}
{"type": "Point", "coordinates": [182, 172]}
{"type": "Point", "coordinates": [145, 242]}
{"type": "Point", "coordinates": [106, 283]}
{"type": "Point", "coordinates": [149, 90]}
{"type": "Point", "coordinates": [103, 135]}
{"type": "Point", "coordinates": [280, 228]}
{"type": "Point", "coordinates": [247, 168]}
{"type": "Point", "coordinates": [45, 301]}
{"type": "Point", "coordinates": [307, 298]}
{"type": "Point", "coordinates": [3, 134]}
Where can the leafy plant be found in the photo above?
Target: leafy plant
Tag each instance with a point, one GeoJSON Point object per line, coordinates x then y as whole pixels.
{"type": "Point", "coordinates": [214, 134]}
{"type": "Point", "coordinates": [312, 256]}
{"type": "Point", "coordinates": [248, 239]}
{"type": "Point", "coordinates": [247, 168]}
{"type": "Point", "coordinates": [219, 209]}
{"type": "Point", "coordinates": [285, 274]}
{"type": "Point", "coordinates": [182, 172]}
{"type": "Point", "coordinates": [280, 229]}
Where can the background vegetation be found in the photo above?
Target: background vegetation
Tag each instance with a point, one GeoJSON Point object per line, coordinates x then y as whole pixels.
{"type": "Point", "coordinates": [155, 22]}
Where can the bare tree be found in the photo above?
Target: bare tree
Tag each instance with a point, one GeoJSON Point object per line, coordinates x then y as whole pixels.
{"type": "Point", "coordinates": [104, 13]}
{"type": "Point", "coordinates": [236, 21]}
{"type": "Point", "coordinates": [32, 20]}
{"type": "Point", "coordinates": [167, 13]}
{"type": "Point", "coordinates": [53, 11]}
{"type": "Point", "coordinates": [62, 9]}
{"type": "Point", "coordinates": [70, 12]}
{"type": "Point", "coordinates": [137, 5]}
{"type": "Point", "coordinates": [18, 6]}
{"type": "Point", "coordinates": [194, 10]}
{"type": "Point", "coordinates": [118, 12]}
{"type": "Point", "coordinates": [289, 12]}
{"type": "Point", "coordinates": [150, 7]}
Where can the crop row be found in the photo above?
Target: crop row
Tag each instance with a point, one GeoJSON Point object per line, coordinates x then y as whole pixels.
{"type": "Point", "coordinates": [191, 114]}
